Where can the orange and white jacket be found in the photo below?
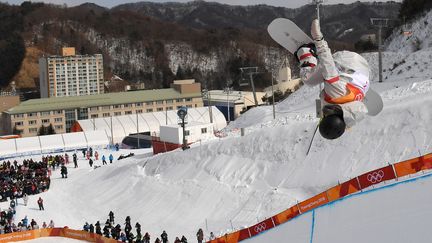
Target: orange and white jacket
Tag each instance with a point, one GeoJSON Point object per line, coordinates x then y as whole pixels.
{"type": "Point", "coordinates": [346, 80]}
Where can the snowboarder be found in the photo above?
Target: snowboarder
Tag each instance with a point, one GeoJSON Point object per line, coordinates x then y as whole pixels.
{"type": "Point", "coordinates": [200, 235]}
{"type": "Point", "coordinates": [40, 203]}
{"type": "Point", "coordinates": [103, 160]}
{"type": "Point", "coordinates": [164, 237]}
{"type": "Point", "coordinates": [346, 80]}
{"type": "Point", "coordinates": [111, 158]}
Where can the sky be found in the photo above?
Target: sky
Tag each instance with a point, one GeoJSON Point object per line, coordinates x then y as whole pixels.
{"type": "Point", "coordinates": [282, 3]}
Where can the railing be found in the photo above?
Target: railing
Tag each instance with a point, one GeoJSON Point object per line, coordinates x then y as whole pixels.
{"type": "Point", "coordinates": [359, 183]}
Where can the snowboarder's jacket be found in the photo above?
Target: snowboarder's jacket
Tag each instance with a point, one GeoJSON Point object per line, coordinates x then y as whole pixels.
{"type": "Point", "coordinates": [346, 80]}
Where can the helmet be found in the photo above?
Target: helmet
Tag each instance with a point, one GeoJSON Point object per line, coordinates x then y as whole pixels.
{"type": "Point", "coordinates": [332, 126]}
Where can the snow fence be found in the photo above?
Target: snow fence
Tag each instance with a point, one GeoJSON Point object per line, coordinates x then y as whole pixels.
{"type": "Point", "coordinates": [57, 232]}
{"type": "Point", "coordinates": [359, 183]}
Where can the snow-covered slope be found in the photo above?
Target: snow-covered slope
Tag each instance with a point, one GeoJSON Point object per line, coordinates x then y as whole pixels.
{"type": "Point", "coordinates": [235, 181]}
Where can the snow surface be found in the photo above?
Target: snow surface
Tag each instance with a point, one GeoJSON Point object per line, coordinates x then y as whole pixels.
{"type": "Point", "coordinates": [235, 181]}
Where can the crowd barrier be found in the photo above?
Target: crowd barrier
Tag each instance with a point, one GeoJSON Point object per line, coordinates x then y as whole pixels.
{"type": "Point", "coordinates": [390, 172]}
{"type": "Point", "coordinates": [57, 232]}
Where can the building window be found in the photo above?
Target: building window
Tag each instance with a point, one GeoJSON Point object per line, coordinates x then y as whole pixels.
{"type": "Point", "coordinates": [187, 132]}
{"type": "Point", "coordinates": [178, 107]}
{"type": "Point", "coordinates": [94, 116]}
{"type": "Point", "coordinates": [58, 119]}
{"type": "Point", "coordinates": [32, 122]}
{"type": "Point", "coordinates": [94, 108]}
{"type": "Point", "coordinates": [138, 104]}
{"type": "Point", "coordinates": [179, 100]}
{"type": "Point", "coordinates": [107, 107]}
{"type": "Point", "coordinates": [149, 110]}
{"type": "Point", "coordinates": [149, 103]}
{"type": "Point", "coordinates": [128, 112]}
{"type": "Point", "coordinates": [169, 101]}
{"type": "Point", "coordinates": [33, 114]}
{"type": "Point", "coordinates": [127, 105]}
{"type": "Point", "coordinates": [159, 102]}
{"type": "Point", "coordinates": [58, 127]}
{"type": "Point", "coordinates": [58, 112]}
{"type": "Point", "coordinates": [169, 108]}
{"type": "Point", "coordinates": [159, 109]}
{"type": "Point", "coordinates": [106, 114]}
{"type": "Point", "coordinates": [19, 116]}
{"type": "Point", "coordinates": [196, 105]}
{"type": "Point", "coordinates": [189, 106]}
{"type": "Point", "coordinates": [117, 113]}
{"type": "Point", "coordinates": [44, 121]}
{"type": "Point", "coordinates": [116, 106]}
{"type": "Point", "coordinates": [203, 130]}
{"type": "Point", "coordinates": [32, 130]}
{"type": "Point", "coordinates": [20, 123]}
{"type": "Point", "coordinates": [139, 111]}
{"type": "Point", "coordinates": [45, 113]}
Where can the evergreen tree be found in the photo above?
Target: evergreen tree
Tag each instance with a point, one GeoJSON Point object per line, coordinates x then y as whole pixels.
{"type": "Point", "coordinates": [50, 129]}
{"type": "Point", "coordinates": [16, 131]}
{"type": "Point", "coordinates": [42, 131]}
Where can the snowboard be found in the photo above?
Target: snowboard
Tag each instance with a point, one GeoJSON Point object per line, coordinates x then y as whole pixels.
{"type": "Point", "coordinates": [287, 34]}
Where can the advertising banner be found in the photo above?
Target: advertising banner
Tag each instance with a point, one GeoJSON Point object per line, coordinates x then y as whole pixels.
{"type": "Point", "coordinates": [313, 202]}
{"type": "Point", "coordinates": [261, 227]}
{"type": "Point", "coordinates": [413, 166]}
{"type": "Point", "coordinates": [286, 215]}
{"type": "Point", "coordinates": [376, 176]}
{"type": "Point", "coordinates": [244, 234]}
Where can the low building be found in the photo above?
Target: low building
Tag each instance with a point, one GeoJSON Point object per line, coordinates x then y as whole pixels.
{"type": "Point", "coordinates": [232, 104]}
{"type": "Point", "coordinates": [62, 112]}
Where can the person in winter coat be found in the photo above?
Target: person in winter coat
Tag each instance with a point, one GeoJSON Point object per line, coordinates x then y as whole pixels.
{"type": "Point", "coordinates": [25, 221]}
{"type": "Point", "coordinates": [177, 240]}
{"type": "Point", "coordinates": [44, 225]}
{"type": "Point", "coordinates": [96, 155]}
{"type": "Point", "coordinates": [40, 203]}
{"type": "Point", "coordinates": [103, 160]}
{"type": "Point", "coordinates": [212, 236]}
{"type": "Point", "coordinates": [91, 162]}
{"type": "Point", "coordinates": [111, 217]}
{"type": "Point", "coordinates": [63, 171]}
{"type": "Point", "coordinates": [98, 228]}
{"type": "Point", "coordinates": [157, 240]}
{"type": "Point", "coordinates": [183, 239]}
{"type": "Point", "coordinates": [138, 228]}
{"type": "Point", "coordinates": [146, 238]}
{"type": "Point", "coordinates": [12, 204]}
{"type": "Point", "coordinates": [75, 160]}
{"type": "Point", "coordinates": [200, 235]}
{"type": "Point", "coordinates": [51, 224]}
{"type": "Point", "coordinates": [86, 227]}
{"type": "Point", "coordinates": [91, 228]}
{"type": "Point", "coordinates": [66, 158]}
{"type": "Point", "coordinates": [111, 158]}
{"type": "Point", "coordinates": [25, 199]}
{"type": "Point", "coordinates": [164, 237]}
{"type": "Point", "coordinates": [346, 80]}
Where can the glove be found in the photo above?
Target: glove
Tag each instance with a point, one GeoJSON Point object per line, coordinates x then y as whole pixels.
{"type": "Point", "coordinates": [316, 30]}
{"type": "Point", "coordinates": [306, 55]}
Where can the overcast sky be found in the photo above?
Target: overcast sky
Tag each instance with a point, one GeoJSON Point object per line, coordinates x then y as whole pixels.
{"type": "Point", "coordinates": [111, 3]}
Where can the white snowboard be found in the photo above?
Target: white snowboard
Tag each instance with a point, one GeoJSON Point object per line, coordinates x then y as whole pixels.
{"type": "Point", "coordinates": [287, 34]}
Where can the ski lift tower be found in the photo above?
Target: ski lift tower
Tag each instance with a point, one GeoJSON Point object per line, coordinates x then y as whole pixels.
{"type": "Point", "coordinates": [380, 23]}
{"type": "Point", "coordinates": [251, 71]}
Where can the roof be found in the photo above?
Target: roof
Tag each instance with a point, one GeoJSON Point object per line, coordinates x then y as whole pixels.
{"type": "Point", "coordinates": [73, 102]}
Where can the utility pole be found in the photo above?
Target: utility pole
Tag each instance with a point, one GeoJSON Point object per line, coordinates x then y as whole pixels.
{"type": "Point", "coordinates": [137, 129]}
{"type": "Point", "coordinates": [251, 71]}
{"type": "Point", "coordinates": [206, 95]}
{"type": "Point", "coordinates": [112, 137]}
{"type": "Point", "coordinates": [228, 90]}
{"type": "Point", "coordinates": [380, 23]}
{"type": "Point", "coordinates": [274, 109]}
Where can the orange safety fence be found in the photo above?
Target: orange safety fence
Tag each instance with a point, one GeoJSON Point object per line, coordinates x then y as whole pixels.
{"type": "Point", "coordinates": [58, 232]}
{"type": "Point", "coordinates": [390, 172]}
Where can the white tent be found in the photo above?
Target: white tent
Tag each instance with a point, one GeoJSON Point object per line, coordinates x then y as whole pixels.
{"type": "Point", "coordinates": [51, 143]}
{"type": "Point", "coordinates": [7, 146]}
{"type": "Point", "coordinates": [122, 126]}
{"type": "Point", "coordinates": [74, 140]}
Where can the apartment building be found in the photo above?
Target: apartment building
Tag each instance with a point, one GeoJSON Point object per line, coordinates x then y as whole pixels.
{"type": "Point", "coordinates": [71, 74]}
{"type": "Point", "coordinates": [62, 112]}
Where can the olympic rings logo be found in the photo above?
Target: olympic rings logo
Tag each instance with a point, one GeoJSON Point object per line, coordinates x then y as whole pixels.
{"type": "Point", "coordinates": [260, 228]}
{"type": "Point", "coordinates": [376, 176]}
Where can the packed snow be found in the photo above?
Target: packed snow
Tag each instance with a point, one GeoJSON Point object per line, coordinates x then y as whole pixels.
{"type": "Point", "coordinates": [232, 182]}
